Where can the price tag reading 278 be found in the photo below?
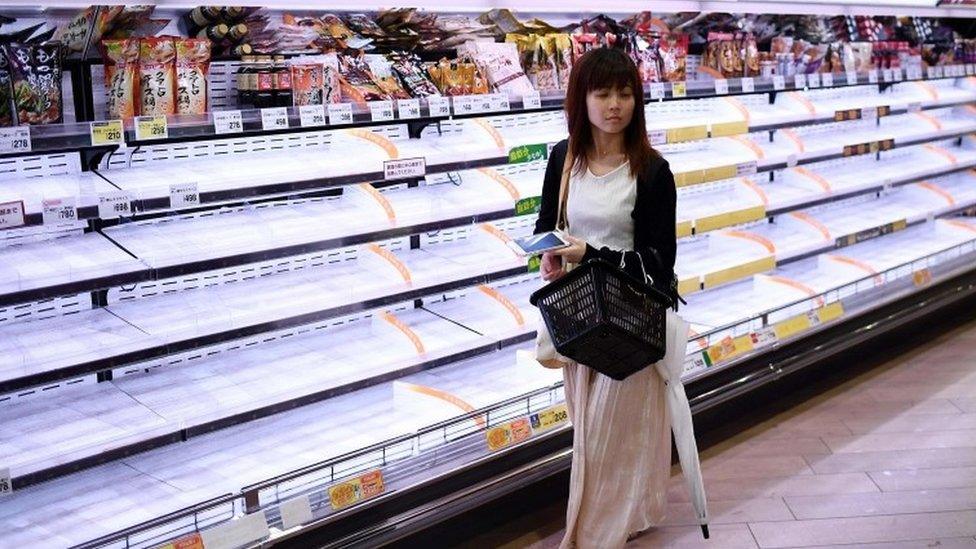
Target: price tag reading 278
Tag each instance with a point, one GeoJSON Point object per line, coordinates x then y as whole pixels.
{"type": "Point", "coordinates": [228, 122]}
{"type": "Point", "coordinates": [15, 140]}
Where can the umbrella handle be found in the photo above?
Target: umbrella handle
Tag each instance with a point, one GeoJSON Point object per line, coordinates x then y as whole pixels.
{"type": "Point", "coordinates": [704, 528]}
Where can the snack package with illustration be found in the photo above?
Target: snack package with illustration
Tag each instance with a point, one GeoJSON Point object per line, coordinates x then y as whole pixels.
{"type": "Point", "coordinates": [192, 67]}
{"type": "Point", "coordinates": [35, 74]}
{"type": "Point", "coordinates": [356, 81]}
{"type": "Point", "coordinates": [499, 63]}
{"type": "Point", "coordinates": [157, 76]}
{"type": "Point", "coordinates": [6, 94]}
{"type": "Point", "coordinates": [408, 69]}
{"type": "Point", "coordinates": [121, 76]}
{"type": "Point", "coordinates": [382, 70]}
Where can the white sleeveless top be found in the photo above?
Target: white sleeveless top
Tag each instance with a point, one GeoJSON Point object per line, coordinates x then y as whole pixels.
{"type": "Point", "coordinates": [599, 208]}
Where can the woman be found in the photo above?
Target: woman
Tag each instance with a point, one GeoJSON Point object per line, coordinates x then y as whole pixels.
{"type": "Point", "coordinates": [620, 207]}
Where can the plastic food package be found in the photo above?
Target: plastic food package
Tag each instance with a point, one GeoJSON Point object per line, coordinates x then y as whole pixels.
{"type": "Point", "coordinates": [74, 33]}
{"type": "Point", "coordinates": [673, 52]}
{"type": "Point", "coordinates": [307, 81]}
{"type": "Point", "coordinates": [157, 76]}
{"type": "Point", "coordinates": [499, 63]}
{"type": "Point", "coordinates": [583, 43]}
{"type": "Point", "coordinates": [562, 57]}
{"type": "Point", "coordinates": [647, 52]}
{"type": "Point", "coordinates": [356, 81]}
{"type": "Point", "coordinates": [383, 76]}
{"type": "Point", "coordinates": [35, 73]}
{"type": "Point", "coordinates": [751, 57]}
{"type": "Point", "coordinates": [192, 67]}
{"type": "Point", "coordinates": [121, 66]}
{"type": "Point", "coordinates": [407, 68]}
{"type": "Point", "coordinates": [6, 94]}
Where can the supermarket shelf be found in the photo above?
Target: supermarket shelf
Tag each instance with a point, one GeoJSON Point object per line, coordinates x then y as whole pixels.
{"type": "Point", "coordinates": [134, 331]}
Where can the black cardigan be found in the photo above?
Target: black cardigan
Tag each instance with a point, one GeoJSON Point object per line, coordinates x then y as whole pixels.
{"type": "Point", "coordinates": [653, 214]}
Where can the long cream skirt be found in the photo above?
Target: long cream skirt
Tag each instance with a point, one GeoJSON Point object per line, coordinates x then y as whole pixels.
{"type": "Point", "coordinates": [621, 456]}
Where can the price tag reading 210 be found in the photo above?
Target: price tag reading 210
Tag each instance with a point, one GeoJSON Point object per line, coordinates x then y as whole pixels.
{"type": "Point", "coordinates": [107, 133]}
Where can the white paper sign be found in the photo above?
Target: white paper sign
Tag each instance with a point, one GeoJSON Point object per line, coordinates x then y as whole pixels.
{"type": "Point", "coordinates": [241, 531]}
{"type": "Point", "coordinates": [914, 107]}
{"type": "Point", "coordinates": [312, 116]}
{"type": "Point", "coordinates": [228, 122]}
{"type": "Point", "coordinates": [748, 84]}
{"type": "Point", "coordinates": [791, 160]}
{"type": "Point", "coordinates": [11, 214]}
{"type": "Point", "coordinates": [114, 204]}
{"type": "Point", "coordinates": [813, 80]}
{"type": "Point", "coordinates": [657, 90]}
{"type": "Point", "coordinates": [764, 337]}
{"type": "Point", "coordinates": [887, 75]}
{"type": "Point", "coordinates": [381, 111]}
{"type": "Point", "coordinates": [463, 104]}
{"type": "Point", "coordinates": [531, 100]}
{"type": "Point", "coordinates": [59, 211]}
{"type": "Point", "coordinates": [800, 81]}
{"type": "Point", "coordinates": [500, 102]}
{"type": "Point", "coordinates": [274, 118]}
{"type": "Point", "coordinates": [746, 168]}
{"type": "Point", "coordinates": [340, 113]}
{"type": "Point", "coordinates": [779, 82]}
{"type": "Point", "coordinates": [873, 76]}
{"type": "Point", "coordinates": [970, 69]}
{"type": "Point", "coordinates": [6, 483]}
{"type": "Point", "coordinates": [404, 167]}
{"type": "Point", "coordinates": [897, 75]}
{"type": "Point", "coordinates": [827, 79]}
{"type": "Point", "coordinates": [182, 195]}
{"type": "Point", "coordinates": [852, 77]}
{"type": "Point", "coordinates": [15, 140]}
{"type": "Point", "coordinates": [658, 137]}
{"type": "Point", "coordinates": [482, 103]}
{"type": "Point", "coordinates": [721, 86]}
{"type": "Point", "coordinates": [869, 113]}
{"type": "Point", "coordinates": [408, 108]}
{"type": "Point", "coordinates": [296, 511]}
{"type": "Point", "coordinates": [932, 72]}
{"type": "Point", "coordinates": [439, 105]}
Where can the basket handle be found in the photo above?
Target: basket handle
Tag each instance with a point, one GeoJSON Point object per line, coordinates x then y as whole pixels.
{"type": "Point", "coordinates": [623, 259]}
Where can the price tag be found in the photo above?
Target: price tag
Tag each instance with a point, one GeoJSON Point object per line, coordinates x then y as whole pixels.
{"type": "Point", "coordinates": [107, 133]}
{"type": "Point", "coordinates": [404, 167]}
{"type": "Point", "coordinates": [679, 89]}
{"type": "Point", "coordinates": [813, 80]}
{"type": "Point", "coordinates": [408, 108]}
{"type": "Point", "coordinates": [114, 204]}
{"type": "Point", "coordinates": [827, 79]}
{"type": "Point", "coordinates": [897, 75]}
{"type": "Point", "coordinates": [764, 337]}
{"type": "Point", "coordinates": [59, 211]}
{"type": "Point", "coordinates": [931, 72]}
{"type": "Point", "coordinates": [791, 160]}
{"type": "Point", "coordinates": [462, 104]}
{"type": "Point", "coordinates": [549, 419]}
{"type": "Point", "coordinates": [887, 75]}
{"type": "Point", "coordinates": [852, 77]}
{"type": "Point", "coordinates": [721, 86]}
{"type": "Point", "coordinates": [151, 127]}
{"type": "Point", "coordinates": [499, 102]}
{"type": "Point", "coordinates": [658, 137]}
{"type": "Point", "coordinates": [11, 214]}
{"type": "Point", "coordinates": [6, 483]}
{"type": "Point", "coordinates": [482, 103]}
{"type": "Point", "coordinates": [779, 82]}
{"type": "Point", "coordinates": [748, 84]}
{"type": "Point", "coordinates": [184, 195]}
{"type": "Point", "coordinates": [274, 119]}
{"type": "Point", "coordinates": [311, 116]}
{"type": "Point", "coordinates": [869, 113]}
{"type": "Point", "coordinates": [873, 76]}
{"type": "Point", "coordinates": [746, 168]}
{"type": "Point", "coordinates": [657, 90]}
{"type": "Point", "coordinates": [915, 107]}
{"type": "Point", "coordinates": [439, 105]}
{"type": "Point", "coordinates": [340, 113]}
{"type": "Point", "coordinates": [800, 81]}
{"type": "Point", "coordinates": [970, 69]}
{"type": "Point", "coordinates": [228, 122]}
{"type": "Point", "coordinates": [381, 111]}
{"type": "Point", "coordinates": [531, 100]}
{"type": "Point", "coordinates": [15, 140]}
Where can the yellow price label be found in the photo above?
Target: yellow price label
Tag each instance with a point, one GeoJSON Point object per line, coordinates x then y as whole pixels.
{"type": "Point", "coordinates": [549, 419]}
{"type": "Point", "coordinates": [150, 128]}
{"type": "Point", "coordinates": [109, 132]}
{"type": "Point", "coordinates": [679, 89]}
{"type": "Point", "coordinates": [508, 434]}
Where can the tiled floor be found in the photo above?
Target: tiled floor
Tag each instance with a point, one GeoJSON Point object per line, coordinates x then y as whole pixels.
{"type": "Point", "coordinates": [884, 460]}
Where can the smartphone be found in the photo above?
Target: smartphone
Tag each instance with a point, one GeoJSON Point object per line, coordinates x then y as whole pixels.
{"type": "Point", "coordinates": [537, 244]}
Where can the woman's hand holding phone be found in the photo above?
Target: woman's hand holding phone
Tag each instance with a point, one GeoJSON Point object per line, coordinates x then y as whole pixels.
{"type": "Point", "coordinates": [552, 262]}
{"type": "Point", "coordinates": [551, 267]}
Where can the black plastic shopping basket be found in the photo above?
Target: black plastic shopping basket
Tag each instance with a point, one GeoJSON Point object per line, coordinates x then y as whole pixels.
{"type": "Point", "coordinates": [604, 318]}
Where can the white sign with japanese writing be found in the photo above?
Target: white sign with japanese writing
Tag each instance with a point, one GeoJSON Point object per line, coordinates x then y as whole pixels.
{"type": "Point", "coordinates": [59, 211]}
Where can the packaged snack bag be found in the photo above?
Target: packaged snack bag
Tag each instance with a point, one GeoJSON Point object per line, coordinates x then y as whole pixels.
{"type": "Point", "coordinates": [35, 73]}
{"type": "Point", "coordinates": [157, 76]}
{"type": "Point", "coordinates": [121, 67]}
{"type": "Point", "coordinates": [192, 67]}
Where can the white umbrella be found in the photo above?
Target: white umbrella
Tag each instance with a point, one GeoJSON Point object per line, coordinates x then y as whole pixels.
{"type": "Point", "coordinates": [670, 369]}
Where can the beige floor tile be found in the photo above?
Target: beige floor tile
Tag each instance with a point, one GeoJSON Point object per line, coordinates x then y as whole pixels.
{"type": "Point", "coordinates": [742, 447]}
{"type": "Point", "coordinates": [900, 424]}
{"type": "Point", "coordinates": [745, 488]}
{"type": "Point", "coordinates": [893, 459]}
{"type": "Point", "coordinates": [888, 528]}
{"type": "Point", "coordinates": [860, 407]}
{"type": "Point", "coordinates": [954, 543]}
{"type": "Point", "coordinates": [965, 404]}
{"type": "Point", "coordinates": [925, 479]}
{"type": "Point", "coordinates": [730, 512]}
{"type": "Point", "coordinates": [963, 438]}
{"type": "Point", "coordinates": [884, 503]}
{"type": "Point", "coordinates": [720, 467]}
{"type": "Point", "coordinates": [724, 536]}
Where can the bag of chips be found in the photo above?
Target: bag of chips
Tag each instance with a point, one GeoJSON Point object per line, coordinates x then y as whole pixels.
{"type": "Point", "coordinates": [121, 66]}
{"type": "Point", "coordinates": [157, 76]}
{"type": "Point", "coordinates": [192, 67]}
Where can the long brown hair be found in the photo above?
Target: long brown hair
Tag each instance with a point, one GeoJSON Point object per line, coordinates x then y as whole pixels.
{"type": "Point", "coordinates": [598, 69]}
